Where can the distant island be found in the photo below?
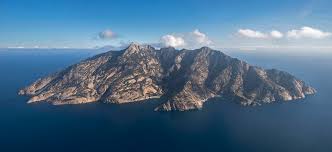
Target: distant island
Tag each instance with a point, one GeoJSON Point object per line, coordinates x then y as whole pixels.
{"type": "Point", "coordinates": [185, 79]}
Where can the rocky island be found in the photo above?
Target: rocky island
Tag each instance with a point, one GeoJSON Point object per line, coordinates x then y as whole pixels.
{"type": "Point", "coordinates": [184, 78]}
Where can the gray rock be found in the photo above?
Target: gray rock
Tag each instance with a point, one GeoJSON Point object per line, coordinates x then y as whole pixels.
{"type": "Point", "coordinates": [186, 78]}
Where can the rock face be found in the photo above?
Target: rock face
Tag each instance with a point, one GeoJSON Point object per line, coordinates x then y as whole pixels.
{"type": "Point", "coordinates": [185, 78]}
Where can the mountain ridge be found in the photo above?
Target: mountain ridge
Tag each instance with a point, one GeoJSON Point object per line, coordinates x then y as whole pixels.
{"type": "Point", "coordinates": [186, 78]}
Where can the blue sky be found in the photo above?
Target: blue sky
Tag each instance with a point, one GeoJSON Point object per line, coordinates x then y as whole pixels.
{"type": "Point", "coordinates": [179, 23]}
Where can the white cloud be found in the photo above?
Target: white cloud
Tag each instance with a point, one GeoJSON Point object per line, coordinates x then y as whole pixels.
{"type": "Point", "coordinates": [192, 39]}
{"type": "Point", "coordinates": [307, 32]}
{"type": "Point", "coordinates": [199, 37]}
{"type": "Point", "coordinates": [107, 34]}
{"type": "Point", "coordinates": [276, 34]}
{"type": "Point", "coordinates": [172, 40]}
{"type": "Point", "coordinates": [252, 34]}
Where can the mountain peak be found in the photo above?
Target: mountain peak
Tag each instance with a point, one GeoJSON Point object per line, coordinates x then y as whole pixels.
{"type": "Point", "coordinates": [205, 48]}
{"type": "Point", "coordinates": [135, 48]}
{"type": "Point", "coordinates": [133, 45]}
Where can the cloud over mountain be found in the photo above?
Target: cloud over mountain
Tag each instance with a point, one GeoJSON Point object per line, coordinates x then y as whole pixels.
{"type": "Point", "coordinates": [172, 40]}
{"type": "Point", "coordinates": [107, 34]}
{"type": "Point", "coordinates": [200, 38]}
{"type": "Point", "coordinates": [192, 39]}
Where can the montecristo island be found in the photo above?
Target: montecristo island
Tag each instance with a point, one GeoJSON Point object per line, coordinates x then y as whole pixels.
{"type": "Point", "coordinates": [184, 78]}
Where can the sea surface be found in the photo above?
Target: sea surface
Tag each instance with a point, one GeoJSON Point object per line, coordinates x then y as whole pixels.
{"type": "Point", "coordinates": [299, 126]}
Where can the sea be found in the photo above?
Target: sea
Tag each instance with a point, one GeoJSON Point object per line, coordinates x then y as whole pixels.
{"type": "Point", "coordinates": [221, 126]}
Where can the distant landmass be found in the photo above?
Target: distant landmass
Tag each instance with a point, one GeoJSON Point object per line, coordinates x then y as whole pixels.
{"type": "Point", "coordinates": [184, 79]}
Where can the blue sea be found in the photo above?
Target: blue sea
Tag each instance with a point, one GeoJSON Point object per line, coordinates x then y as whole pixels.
{"type": "Point", "coordinates": [299, 126]}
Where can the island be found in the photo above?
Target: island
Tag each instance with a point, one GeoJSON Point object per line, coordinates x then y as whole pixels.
{"type": "Point", "coordinates": [184, 79]}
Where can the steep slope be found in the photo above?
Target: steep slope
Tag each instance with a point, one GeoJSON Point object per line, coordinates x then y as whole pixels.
{"type": "Point", "coordinates": [186, 78]}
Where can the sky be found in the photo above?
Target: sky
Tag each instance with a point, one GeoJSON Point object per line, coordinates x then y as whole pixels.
{"type": "Point", "coordinates": [243, 24]}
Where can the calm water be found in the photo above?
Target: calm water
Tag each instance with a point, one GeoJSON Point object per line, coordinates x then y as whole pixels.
{"type": "Point", "coordinates": [304, 125]}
